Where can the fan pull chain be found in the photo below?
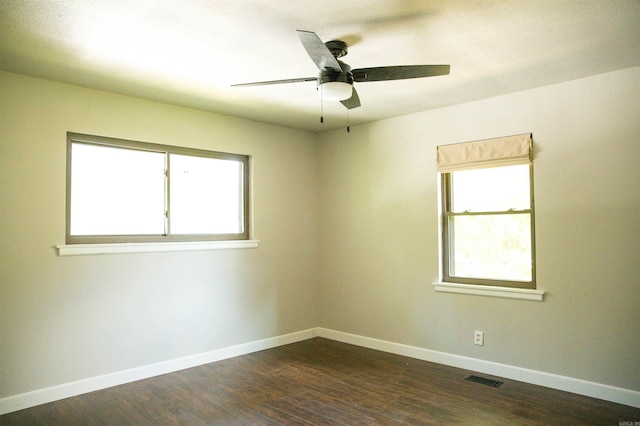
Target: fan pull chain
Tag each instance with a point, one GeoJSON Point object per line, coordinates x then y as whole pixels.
{"type": "Point", "coordinates": [321, 105]}
{"type": "Point", "coordinates": [348, 122]}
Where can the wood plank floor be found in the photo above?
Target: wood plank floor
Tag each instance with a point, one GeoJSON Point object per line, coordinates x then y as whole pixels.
{"type": "Point", "coordinates": [323, 382]}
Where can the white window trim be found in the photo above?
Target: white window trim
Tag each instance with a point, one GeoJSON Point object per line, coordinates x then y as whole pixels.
{"type": "Point", "coordinates": [492, 291]}
{"type": "Point", "coordinates": [119, 248]}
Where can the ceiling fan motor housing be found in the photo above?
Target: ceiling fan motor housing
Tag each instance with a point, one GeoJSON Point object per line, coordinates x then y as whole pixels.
{"type": "Point", "coordinates": [329, 75]}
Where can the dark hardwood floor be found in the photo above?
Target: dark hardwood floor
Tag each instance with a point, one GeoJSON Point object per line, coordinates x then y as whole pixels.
{"type": "Point", "coordinates": [323, 382]}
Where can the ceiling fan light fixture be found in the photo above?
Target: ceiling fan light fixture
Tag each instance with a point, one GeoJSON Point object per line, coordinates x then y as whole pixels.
{"type": "Point", "coordinates": [335, 90]}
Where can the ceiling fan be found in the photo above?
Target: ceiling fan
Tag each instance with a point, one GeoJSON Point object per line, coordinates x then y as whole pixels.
{"type": "Point", "coordinates": [335, 80]}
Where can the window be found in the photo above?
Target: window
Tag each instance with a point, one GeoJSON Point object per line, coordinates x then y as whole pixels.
{"type": "Point", "coordinates": [488, 212]}
{"type": "Point", "coordinates": [124, 191]}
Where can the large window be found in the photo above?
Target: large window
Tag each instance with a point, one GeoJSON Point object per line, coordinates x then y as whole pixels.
{"type": "Point", "coordinates": [125, 191]}
{"type": "Point", "coordinates": [487, 213]}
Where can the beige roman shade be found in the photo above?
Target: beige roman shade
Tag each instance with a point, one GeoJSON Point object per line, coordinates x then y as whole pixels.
{"type": "Point", "coordinates": [506, 151]}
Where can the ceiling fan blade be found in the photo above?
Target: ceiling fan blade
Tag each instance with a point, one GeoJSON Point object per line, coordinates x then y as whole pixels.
{"type": "Point", "coordinates": [399, 72]}
{"type": "Point", "coordinates": [353, 101]}
{"type": "Point", "coordinates": [318, 52]}
{"type": "Point", "coordinates": [290, 80]}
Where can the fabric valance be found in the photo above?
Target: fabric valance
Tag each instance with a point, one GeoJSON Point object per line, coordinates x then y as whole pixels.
{"type": "Point", "coordinates": [506, 151]}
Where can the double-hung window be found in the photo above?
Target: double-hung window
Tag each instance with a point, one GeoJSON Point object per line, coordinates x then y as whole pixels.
{"type": "Point", "coordinates": [487, 212]}
{"type": "Point", "coordinates": [121, 191]}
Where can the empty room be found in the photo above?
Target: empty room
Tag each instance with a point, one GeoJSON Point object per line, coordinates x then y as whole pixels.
{"type": "Point", "coordinates": [319, 212]}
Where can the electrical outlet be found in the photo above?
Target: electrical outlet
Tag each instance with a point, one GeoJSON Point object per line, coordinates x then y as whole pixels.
{"type": "Point", "coordinates": [478, 338]}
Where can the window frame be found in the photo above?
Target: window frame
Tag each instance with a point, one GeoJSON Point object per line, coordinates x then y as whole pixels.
{"type": "Point", "coordinates": [167, 150]}
{"type": "Point", "coordinates": [446, 236]}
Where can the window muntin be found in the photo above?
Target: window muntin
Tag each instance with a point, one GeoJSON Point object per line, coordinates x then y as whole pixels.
{"type": "Point", "coordinates": [488, 226]}
{"type": "Point", "coordinates": [125, 191]}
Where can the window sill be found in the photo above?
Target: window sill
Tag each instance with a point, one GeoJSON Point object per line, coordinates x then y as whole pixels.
{"type": "Point", "coordinates": [483, 290]}
{"type": "Point", "coordinates": [89, 249]}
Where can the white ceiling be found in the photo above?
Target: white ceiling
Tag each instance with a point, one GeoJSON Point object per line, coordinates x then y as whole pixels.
{"type": "Point", "coordinates": [189, 52]}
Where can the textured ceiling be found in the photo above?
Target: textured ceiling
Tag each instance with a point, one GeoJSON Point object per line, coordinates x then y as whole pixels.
{"type": "Point", "coordinates": [189, 52]}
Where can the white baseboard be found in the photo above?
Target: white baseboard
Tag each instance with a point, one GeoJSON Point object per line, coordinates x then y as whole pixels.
{"type": "Point", "coordinates": [66, 390]}
{"type": "Point", "coordinates": [555, 381]}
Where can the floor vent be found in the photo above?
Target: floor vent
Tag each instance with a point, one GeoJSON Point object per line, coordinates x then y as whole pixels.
{"type": "Point", "coordinates": [484, 381]}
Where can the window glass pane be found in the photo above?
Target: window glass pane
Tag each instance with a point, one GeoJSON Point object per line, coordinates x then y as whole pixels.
{"type": "Point", "coordinates": [206, 195]}
{"type": "Point", "coordinates": [494, 189]}
{"type": "Point", "coordinates": [116, 191]}
{"type": "Point", "coordinates": [491, 247]}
